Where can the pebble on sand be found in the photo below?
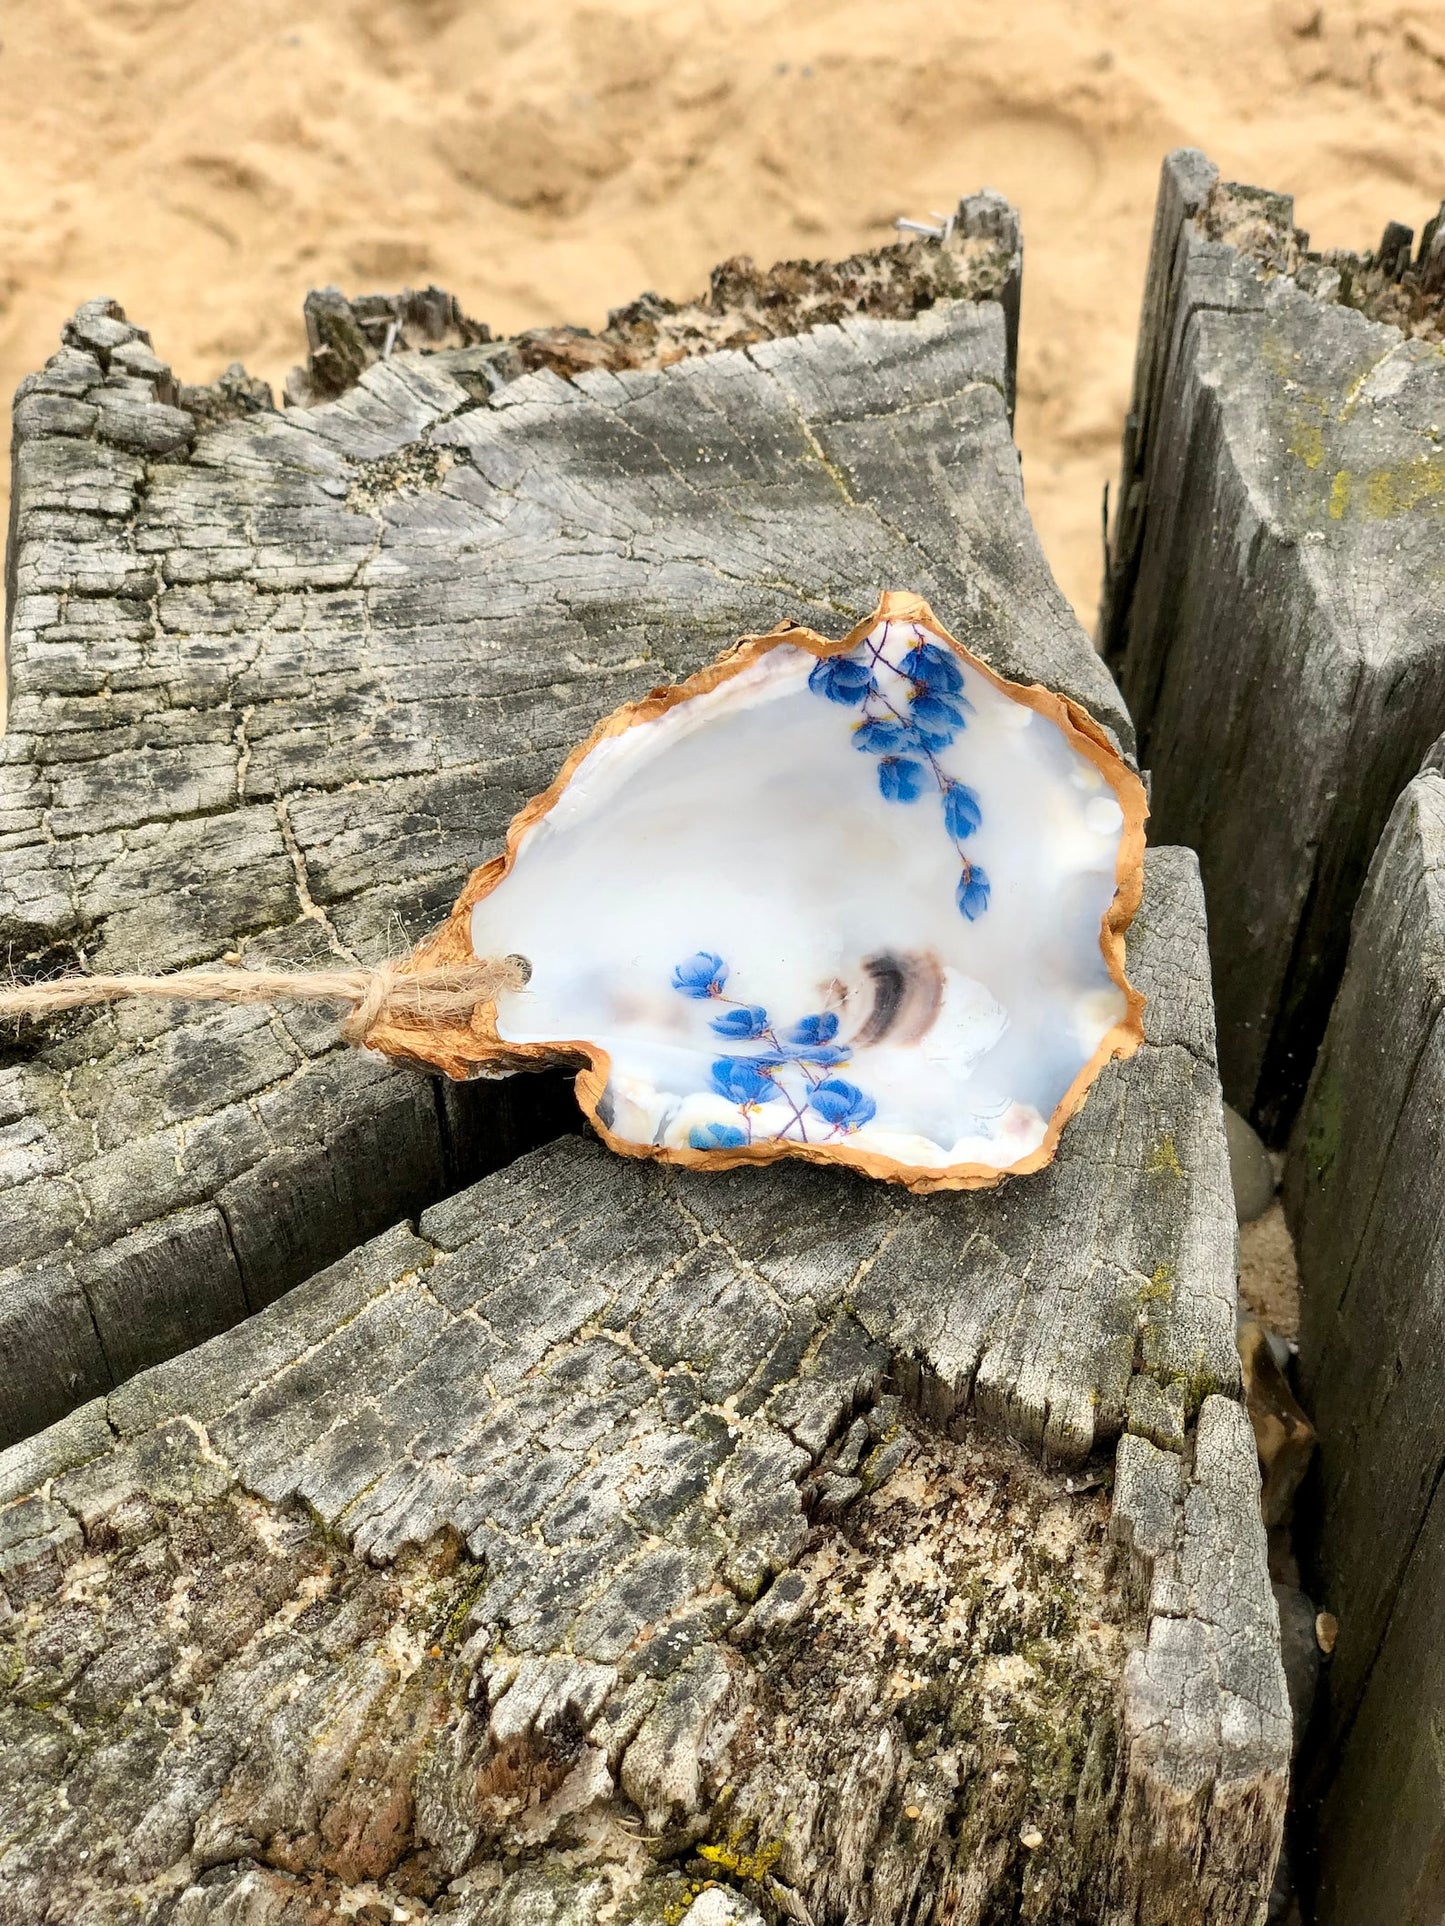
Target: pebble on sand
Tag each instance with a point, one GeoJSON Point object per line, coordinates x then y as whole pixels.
{"type": "Point", "coordinates": [1251, 1169]}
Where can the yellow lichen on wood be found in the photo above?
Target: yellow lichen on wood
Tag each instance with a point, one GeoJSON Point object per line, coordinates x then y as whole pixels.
{"type": "Point", "coordinates": [1160, 1285]}
{"type": "Point", "coordinates": [1389, 491]}
{"type": "Point", "coordinates": [741, 1864]}
{"type": "Point", "coordinates": [1164, 1158]}
{"type": "Point", "coordinates": [1307, 442]}
{"type": "Point", "coordinates": [1396, 490]}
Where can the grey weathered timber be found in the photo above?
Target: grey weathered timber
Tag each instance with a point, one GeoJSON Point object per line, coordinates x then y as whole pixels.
{"type": "Point", "coordinates": [278, 681]}
{"type": "Point", "coordinates": [617, 1529]}
{"type": "Point", "coordinates": [981, 259]}
{"type": "Point", "coordinates": [597, 1531]}
{"type": "Point", "coordinates": [1272, 604]}
{"type": "Point", "coordinates": [1365, 1192]}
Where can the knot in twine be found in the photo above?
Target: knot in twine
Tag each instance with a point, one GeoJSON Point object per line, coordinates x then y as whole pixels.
{"type": "Point", "coordinates": [390, 992]}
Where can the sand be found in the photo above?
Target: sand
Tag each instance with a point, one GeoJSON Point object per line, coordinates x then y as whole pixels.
{"type": "Point", "coordinates": [1269, 1288]}
{"type": "Point", "coordinates": [206, 162]}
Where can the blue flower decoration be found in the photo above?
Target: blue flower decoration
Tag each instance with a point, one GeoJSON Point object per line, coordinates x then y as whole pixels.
{"type": "Point", "coordinates": [703, 974]}
{"type": "Point", "coordinates": [842, 678]}
{"type": "Point", "coordinates": [907, 731]}
{"type": "Point", "coordinates": [819, 1053]}
{"type": "Point", "coordinates": [743, 1021]}
{"type": "Point", "coordinates": [743, 1080]}
{"type": "Point", "coordinates": [841, 1103]}
{"type": "Point", "coordinates": [935, 668]}
{"type": "Point", "coordinates": [878, 738]}
{"type": "Point", "coordinates": [937, 719]}
{"type": "Point", "coordinates": [961, 811]}
{"type": "Point", "coordinates": [973, 893]}
{"type": "Point", "coordinates": [785, 1075]}
{"type": "Point", "coordinates": [901, 780]}
{"type": "Point", "coordinates": [815, 1029]}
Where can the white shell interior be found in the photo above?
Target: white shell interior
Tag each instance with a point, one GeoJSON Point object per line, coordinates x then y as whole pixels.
{"type": "Point", "coordinates": [775, 931]}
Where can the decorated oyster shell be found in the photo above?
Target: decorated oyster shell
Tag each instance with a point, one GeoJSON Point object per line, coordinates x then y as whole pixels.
{"type": "Point", "coordinates": [862, 902]}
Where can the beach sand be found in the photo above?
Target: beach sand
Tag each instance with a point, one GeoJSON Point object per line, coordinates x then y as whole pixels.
{"type": "Point", "coordinates": [206, 162]}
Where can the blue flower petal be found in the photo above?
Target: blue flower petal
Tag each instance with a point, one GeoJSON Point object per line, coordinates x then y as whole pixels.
{"type": "Point", "coordinates": [878, 738]}
{"type": "Point", "coordinates": [900, 780]}
{"type": "Point", "coordinates": [973, 893]}
{"type": "Point", "coordinates": [841, 678]}
{"type": "Point", "coordinates": [961, 811]}
{"type": "Point", "coordinates": [747, 1020]}
{"type": "Point", "coordinates": [815, 1029]}
{"type": "Point", "coordinates": [841, 1103]}
{"type": "Point", "coordinates": [934, 667]}
{"type": "Point", "coordinates": [742, 1079]}
{"type": "Point", "coordinates": [702, 974]}
{"type": "Point", "coordinates": [938, 719]}
{"type": "Point", "coordinates": [715, 1137]}
{"type": "Point", "coordinates": [821, 1053]}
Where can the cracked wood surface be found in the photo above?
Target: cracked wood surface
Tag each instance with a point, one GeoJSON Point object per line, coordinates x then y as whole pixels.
{"type": "Point", "coordinates": [1272, 605]}
{"type": "Point", "coordinates": [618, 1529]}
{"type": "Point", "coordinates": [1363, 1187]}
{"type": "Point", "coordinates": [553, 1546]}
{"type": "Point", "coordinates": [278, 683]}
{"type": "Point", "coordinates": [939, 1709]}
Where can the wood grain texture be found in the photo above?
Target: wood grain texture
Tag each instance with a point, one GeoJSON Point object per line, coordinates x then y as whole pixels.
{"type": "Point", "coordinates": [279, 682]}
{"type": "Point", "coordinates": [1272, 605]}
{"type": "Point", "coordinates": [978, 256]}
{"type": "Point", "coordinates": [596, 1529]}
{"type": "Point", "coordinates": [1363, 1188]}
{"type": "Point", "coordinates": [661, 1524]}
{"type": "Point", "coordinates": [1205, 1722]}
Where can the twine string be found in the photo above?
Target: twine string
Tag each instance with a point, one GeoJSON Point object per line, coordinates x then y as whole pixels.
{"type": "Point", "coordinates": [387, 993]}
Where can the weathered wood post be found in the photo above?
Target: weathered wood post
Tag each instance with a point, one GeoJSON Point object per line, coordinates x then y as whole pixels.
{"type": "Point", "coordinates": [1364, 1190]}
{"type": "Point", "coordinates": [278, 680]}
{"type": "Point", "coordinates": [596, 1531]}
{"type": "Point", "coordinates": [1272, 604]}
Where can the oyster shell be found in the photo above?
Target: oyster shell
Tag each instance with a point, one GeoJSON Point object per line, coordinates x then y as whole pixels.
{"type": "Point", "coordinates": [862, 902]}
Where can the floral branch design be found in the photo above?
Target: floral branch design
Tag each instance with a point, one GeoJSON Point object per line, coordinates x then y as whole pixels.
{"type": "Point", "coordinates": [792, 1069]}
{"type": "Point", "coordinates": [907, 730]}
